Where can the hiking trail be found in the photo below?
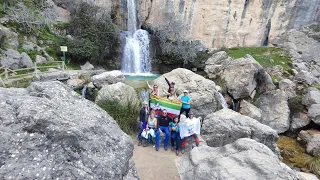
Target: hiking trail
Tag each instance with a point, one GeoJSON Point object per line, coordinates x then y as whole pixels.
{"type": "Point", "coordinates": [155, 165]}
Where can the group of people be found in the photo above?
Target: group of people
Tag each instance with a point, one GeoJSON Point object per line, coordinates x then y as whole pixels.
{"type": "Point", "coordinates": [153, 125]}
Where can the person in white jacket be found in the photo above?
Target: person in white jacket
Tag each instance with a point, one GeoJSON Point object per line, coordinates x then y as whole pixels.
{"type": "Point", "coordinates": [190, 128]}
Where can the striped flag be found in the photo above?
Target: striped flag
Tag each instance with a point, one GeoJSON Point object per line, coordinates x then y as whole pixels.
{"type": "Point", "coordinates": [159, 103]}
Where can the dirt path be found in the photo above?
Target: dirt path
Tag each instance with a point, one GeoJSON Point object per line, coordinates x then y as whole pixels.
{"type": "Point", "coordinates": [155, 165]}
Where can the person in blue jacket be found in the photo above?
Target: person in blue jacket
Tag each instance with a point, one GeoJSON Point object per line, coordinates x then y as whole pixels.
{"type": "Point", "coordinates": [185, 99]}
{"type": "Point", "coordinates": [175, 134]}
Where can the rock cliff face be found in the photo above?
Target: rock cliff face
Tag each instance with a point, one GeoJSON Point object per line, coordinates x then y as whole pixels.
{"type": "Point", "coordinates": [230, 23]}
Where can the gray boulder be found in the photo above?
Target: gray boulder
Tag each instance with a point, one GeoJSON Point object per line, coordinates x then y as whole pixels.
{"type": "Point", "coordinates": [49, 132]}
{"type": "Point", "coordinates": [243, 75]}
{"type": "Point", "coordinates": [312, 97]}
{"type": "Point", "coordinates": [12, 59]}
{"type": "Point", "coordinates": [87, 66]}
{"type": "Point", "coordinates": [226, 126]}
{"type": "Point", "coordinates": [76, 84]}
{"type": "Point", "coordinates": [243, 159]}
{"type": "Point", "coordinates": [275, 110]}
{"type": "Point", "coordinates": [40, 59]}
{"type": "Point", "coordinates": [203, 93]}
{"type": "Point", "coordinates": [107, 78]}
{"type": "Point", "coordinates": [250, 110]}
{"type": "Point", "coordinates": [119, 92]}
{"type": "Point", "coordinates": [299, 120]}
{"type": "Point", "coordinates": [312, 140]}
{"type": "Point", "coordinates": [8, 37]}
{"type": "Point", "coordinates": [304, 77]}
{"type": "Point", "coordinates": [216, 63]}
{"type": "Point", "coordinates": [288, 87]}
{"type": "Point", "coordinates": [314, 113]}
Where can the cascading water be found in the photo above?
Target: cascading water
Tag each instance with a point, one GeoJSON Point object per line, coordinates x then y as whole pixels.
{"type": "Point", "coordinates": [223, 101]}
{"type": "Point", "coordinates": [136, 50]}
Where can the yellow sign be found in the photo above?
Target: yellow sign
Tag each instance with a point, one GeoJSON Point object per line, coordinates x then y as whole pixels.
{"type": "Point", "coordinates": [64, 48]}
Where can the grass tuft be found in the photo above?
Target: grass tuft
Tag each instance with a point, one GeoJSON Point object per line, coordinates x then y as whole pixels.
{"type": "Point", "coordinates": [295, 156]}
{"type": "Point", "coordinates": [125, 116]}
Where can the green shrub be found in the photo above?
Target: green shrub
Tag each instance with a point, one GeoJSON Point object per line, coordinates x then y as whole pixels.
{"type": "Point", "coordinates": [95, 36]}
{"type": "Point", "coordinates": [295, 104]}
{"type": "Point", "coordinates": [125, 116]}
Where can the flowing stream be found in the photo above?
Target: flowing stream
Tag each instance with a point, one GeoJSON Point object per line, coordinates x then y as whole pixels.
{"type": "Point", "coordinates": [223, 101]}
{"type": "Point", "coordinates": [135, 58]}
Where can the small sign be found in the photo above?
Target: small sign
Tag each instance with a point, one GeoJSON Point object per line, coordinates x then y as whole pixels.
{"type": "Point", "coordinates": [64, 48]}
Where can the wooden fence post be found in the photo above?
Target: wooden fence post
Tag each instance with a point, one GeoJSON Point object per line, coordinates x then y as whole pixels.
{"type": "Point", "coordinates": [35, 69]}
{"type": "Point", "coordinates": [6, 75]}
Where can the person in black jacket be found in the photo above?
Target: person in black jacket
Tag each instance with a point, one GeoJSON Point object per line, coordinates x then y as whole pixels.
{"type": "Point", "coordinates": [163, 127]}
{"type": "Point", "coordinates": [143, 119]}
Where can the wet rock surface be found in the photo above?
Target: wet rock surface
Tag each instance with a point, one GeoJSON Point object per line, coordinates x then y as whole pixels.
{"type": "Point", "coordinates": [49, 131]}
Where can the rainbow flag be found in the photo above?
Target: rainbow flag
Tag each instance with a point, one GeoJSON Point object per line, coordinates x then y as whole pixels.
{"type": "Point", "coordinates": [159, 103]}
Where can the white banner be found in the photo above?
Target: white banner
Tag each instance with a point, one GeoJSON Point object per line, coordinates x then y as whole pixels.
{"type": "Point", "coordinates": [189, 127]}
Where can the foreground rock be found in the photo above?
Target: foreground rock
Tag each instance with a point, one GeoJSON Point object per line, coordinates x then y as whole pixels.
{"type": "Point", "coordinates": [107, 78]}
{"type": "Point", "coordinates": [275, 110]}
{"type": "Point", "coordinates": [243, 159]}
{"type": "Point", "coordinates": [203, 93]}
{"type": "Point", "coordinates": [312, 139]}
{"type": "Point", "coordinates": [49, 132]}
{"type": "Point", "coordinates": [226, 126]}
{"type": "Point", "coordinates": [250, 110]}
{"type": "Point", "coordinates": [119, 92]}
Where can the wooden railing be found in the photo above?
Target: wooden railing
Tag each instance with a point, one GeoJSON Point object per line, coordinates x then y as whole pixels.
{"type": "Point", "coordinates": [34, 71]}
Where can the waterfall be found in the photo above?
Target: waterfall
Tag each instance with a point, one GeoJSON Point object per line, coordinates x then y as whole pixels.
{"type": "Point", "coordinates": [136, 50]}
{"type": "Point", "coordinates": [83, 91]}
{"type": "Point", "coordinates": [223, 101]}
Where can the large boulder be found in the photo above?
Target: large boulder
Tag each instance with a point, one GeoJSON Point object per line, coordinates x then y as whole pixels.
{"type": "Point", "coordinates": [76, 84]}
{"type": "Point", "coordinates": [40, 59]}
{"type": "Point", "coordinates": [243, 159]}
{"type": "Point", "coordinates": [216, 63]}
{"type": "Point", "coordinates": [250, 110]}
{"type": "Point", "coordinates": [312, 97]}
{"type": "Point", "coordinates": [226, 126]}
{"type": "Point", "coordinates": [275, 110]}
{"type": "Point", "coordinates": [107, 78]}
{"type": "Point", "coordinates": [124, 94]}
{"type": "Point", "coordinates": [288, 87]}
{"type": "Point", "coordinates": [87, 66]}
{"type": "Point", "coordinates": [299, 120]}
{"type": "Point", "coordinates": [49, 132]}
{"type": "Point", "coordinates": [203, 93]}
{"type": "Point", "coordinates": [12, 59]}
{"type": "Point", "coordinates": [314, 113]}
{"type": "Point", "coordinates": [312, 140]}
{"type": "Point", "coordinates": [243, 75]}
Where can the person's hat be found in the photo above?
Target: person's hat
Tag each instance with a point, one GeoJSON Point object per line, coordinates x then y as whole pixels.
{"type": "Point", "coordinates": [145, 102]}
{"type": "Point", "coordinates": [185, 91]}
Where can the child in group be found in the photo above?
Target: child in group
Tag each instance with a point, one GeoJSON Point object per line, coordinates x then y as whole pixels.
{"type": "Point", "coordinates": [175, 134]}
